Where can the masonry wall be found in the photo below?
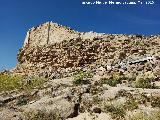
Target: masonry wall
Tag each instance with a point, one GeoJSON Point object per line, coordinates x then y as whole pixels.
{"type": "Point", "coordinates": [37, 36]}
{"type": "Point", "coordinates": [49, 33]}
{"type": "Point", "coordinates": [59, 33]}
{"type": "Point", "coordinates": [52, 47]}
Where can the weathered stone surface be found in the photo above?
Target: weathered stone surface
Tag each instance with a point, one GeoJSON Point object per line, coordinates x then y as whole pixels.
{"type": "Point", "coordinates": [57, 106]}
{"type": "Point", "coordinates": [8, 114]}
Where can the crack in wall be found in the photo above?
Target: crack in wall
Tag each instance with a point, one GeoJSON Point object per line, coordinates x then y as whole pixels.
{"type": "Point", "coordinates": [49, 26]}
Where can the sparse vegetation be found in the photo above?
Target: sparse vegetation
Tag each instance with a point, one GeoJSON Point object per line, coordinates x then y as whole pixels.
{"type": "Point", "coordinates": [41, 115]}
{"type": "Point", "coordinates": [123, 93]}
{"type": "Point", "coordinates": [95, 90]}
{"type": "Point", "coordinates": [20, 55]}
{"type": "Point", "coordinates": [139, 43]}
{"type": "Point", "coordinates": [131, 104]}
{"type": "Point", "coordinates": [16, 82]}
{"type": "Point", "coordinates": [8, 82]}
{"type": "Point", "coordinates": [96, 100]}
{"type": "Point", "coordinates": [139, 116]}
{"type": "Point", "coordinates": [82, 77]}
{"type": "Point", "coordinates": [155, 102]}
{"type": "Point", "coordinates": [117, 112]}
{"type": "Point", "coordinates": [143, 83]}
{"type": "Point", "coordinates": [22, 101]}
{"type": "Point", "coordinates": [143, 116]}
{"type": "Point", "coordinates": [143, 99]}
{"type": "Point", "coordinates": [113, 80]}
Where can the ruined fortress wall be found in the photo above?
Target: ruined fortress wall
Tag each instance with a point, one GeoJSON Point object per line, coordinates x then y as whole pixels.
{"type": "Point", "coordinates": [37, 35]}
{"type": "Point", "coordinates": [52, 46]}
{"type": "Point", "coordinates": [58, 33]}
{"type": "Point", "coordinates": [48, 33]}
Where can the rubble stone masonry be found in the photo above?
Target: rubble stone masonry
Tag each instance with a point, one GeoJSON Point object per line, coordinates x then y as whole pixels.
{"type": "Point", "coordinates": [51, 48]}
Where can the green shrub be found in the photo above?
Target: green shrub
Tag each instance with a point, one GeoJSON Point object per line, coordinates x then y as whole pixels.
{"type": "Point", "coordinates": [22, 101]}
{"type": "Point", "coordinates": [117, 112]}
{"type": "Point", "coordinates": [155, 115]}
{"type": "Point", "coordinates": [33, 82]}
{"type": "Point", "coordinates": [143, 83]}
{"type": "Point", "coordinates": [82, 77]}
{"type": "Point", "coordinates": [131, 104]}
{"type": "Point", "coordinates": [139, 43]}
{"type": "Point", "coordinates": [139, 116]}
{"type": "Point", "coordinates": [114, 80]}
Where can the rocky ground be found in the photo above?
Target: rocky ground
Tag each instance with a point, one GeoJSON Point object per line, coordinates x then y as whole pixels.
{"type": "Point", "coordinates": [82, 97]}
{"type": "Point", "coordinates": [90, 77]}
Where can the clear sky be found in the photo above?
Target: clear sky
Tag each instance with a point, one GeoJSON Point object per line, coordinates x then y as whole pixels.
{"type": "Point", "coordinates": [17, 16]}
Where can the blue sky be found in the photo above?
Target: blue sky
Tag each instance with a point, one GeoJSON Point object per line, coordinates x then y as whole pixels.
{"type": "Point", "coordinates": [17, 16]}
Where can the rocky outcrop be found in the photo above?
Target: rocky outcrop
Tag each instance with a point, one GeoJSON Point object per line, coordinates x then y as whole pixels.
{"type": "Point", "coordinates": [56, 106]}
{"type": "Point", "coordinates": [60, 99]}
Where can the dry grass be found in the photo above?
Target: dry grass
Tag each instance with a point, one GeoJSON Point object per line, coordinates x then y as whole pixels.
{"type": "Point", "coordinates": [15, 82]}
{"type": "Point", "coordinates": [41, 115]}
{"type": "Point", "coordinates": [143, 116]}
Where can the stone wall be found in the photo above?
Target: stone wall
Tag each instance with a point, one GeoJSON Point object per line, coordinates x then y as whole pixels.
{"type": "Point", "coordinates": [48, 33]}
{"type": "Point", "coordinates": [37, 35]}
{"type": "Point", "coordinates": [59, 33]}
{"type": "Point", "coordinates": [52, 47]}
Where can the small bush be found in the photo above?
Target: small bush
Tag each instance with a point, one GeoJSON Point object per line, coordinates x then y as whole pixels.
{"type": "Point", "coordinates": [22, 101]}
{"type": "Point", "coordinates": [41, 115]}
{"type": "Point", "coordinates": [117, 112]}
{"type": "Point", "coordinates": [143, 83]}
{"type": "Point", "coordinates": [20, 56]}
{"type": "Point", "coordinates": [30, 83]}
{"type": "Point", "coordinates": [144, 98]}
{"type": "Point", "coordinates": [114, 80]}
{"type": "Point", "coordinates": [145, 80]}
{"type": "Point", "coordinates": [82, 77]}
{"type": "Point", "coordinates": [155, 102]}
{"type": "Point", "coordinates": [96, 100]}
{"type": "Point", "coordinates": [124, 93]}
{"type": "Point", "coordinates": [131, 104]}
